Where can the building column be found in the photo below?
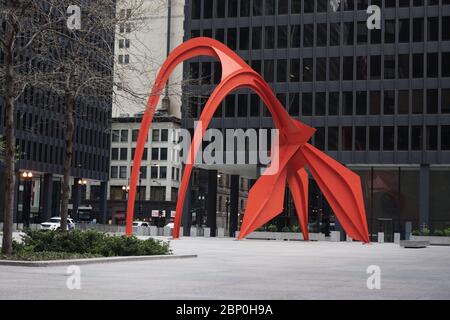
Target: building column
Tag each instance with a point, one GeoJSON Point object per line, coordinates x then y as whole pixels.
{"type": "Point", "coordinates": [103, 202]}
{"type": "Point", "coordinates": [47, 198]}
{"type": "Point", "coordinates": [211, 220]}
{"type": "Point", "coordinates": [56, 205]}
{"type": "Point", "coordinates": [234, 204]}
{"type": "Point", "coordinates": [186, 219]}
{"type": "Point", "coordinates": [424, 195]}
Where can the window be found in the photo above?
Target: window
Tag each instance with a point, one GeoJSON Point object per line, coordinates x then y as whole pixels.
{"type": "Point", "coordinates": [334, 69]}
{"type": "Point", "coordinates": [134, 135]}
{"type": "Point", "coordinates": [244, 38]}
{"type": "Point", "coordinates": [347, 103]}
{"type": "Point", "coordinates": [320, 103]}
{"type": "Point", "coordinates": [294, 104]}
{"type": "Point", "coordinates": [416, 137]}
{"type": "Point", "coordinates": [122, 172]}
{"type": "Point", "coordinates": [269, 37]}
{"type": "Point", "coordinates": [347, 138]}
{"type": "Point", "coordinates": [307, 69]}
{"type": "Point", "coordinates": [360, 138]}
{"type": "Point", "coordinates": [322, 5]}
{"type": "Point", "coordinates": [432, 65]}
{"type": "Point", "coordinates": [348, 33]}
{"type": "Point", "coordinates": [295, 36]}
{"type": "Point", "coordinates": [245, 7]}
{"type": "Point", "coordinates": [403, 66]}
{"type": "Point", "coordinates": [124, 136]}
{"type": "Point", "coordinates": [361, 68]}
{"type": "Point", "coordinates": [418, 65]}
{"type": "Point", "coordinates": [114, 172]}
{"type": "Point", "coordinates": [164, 135]}
{"type": "Point", "coordinates": [231, 38]}
{"type": "Point", "coordinates": [114, 154]}
{"type": "Point", "coordinates": [242, 105]}
{"type": "Point", "coordinates": [270, 7]}
{"type": "Point", "coordinates": [155, 135]}
{"type": "Point", "coordinates": [403, 102]}
{"type": "Point", "coordinates": [307, 104]}
{"type": "Point", "coordinates": [155, 154]}
{"type": "Point", "coordinates": [229, 106]}
{"type": "Point", "coordinates": [388, 138]}
{"type": "Point", "coordinates": [232, 8]}
{"type": "Point", "coordinates": [282, 37]}
{"type": "Point", "coordinates": [163, 154]}
{"type": "Point", "coordinates": [319, 138]}
{"type": "Point", "coordinates": [321, 34]}
{"type": "Point", "coordinates": [157, 193]}
{"type": "Point", "coordinates": [335, 34]}
{"type": "Point", "coordinates": [375, 102]}
{"type": "Point", "coordinates": [389, 102]}
{"type": "Point", "coordinates": [143, 172]}
{"type": "Point", "coordinates": [402, 138]}
{"type": "Point", "coordinates": [445, 138]}
{"type": "Point", "coordinates": [348, 68]}
{"type": "Point", "coordinates": [257, 7]}
{"type": "Point", "coordinates": [163, 172]}
{"type": "Point", "coordinates": [321, 69]}
{"type": "Point", "coordinates": [433, 29]}
{"type": "Point", "coordinates": [294, 75]}
{"type": "Point", "coordinates": [361, 102]}
{"type": "Point", "coordinates": [349, 5]}
{"type": "Point", "coordinates": [418, 29]}
{"type": "Point", "coordinates": [375, 67]}
{"type": "Point", "coordinates": [296, 6]}
{"type": "Point", "coordinates": [123, 154]}
{"type": "Point", "coordinates": [417, 101]}
{"type": "Point", "coordinates": [220, 9]}
{"type": "Point", "coordinates": [403, 35]}
{"type": "Point", "coordinates": [432, 137]}
{"type": "Point", "coordinates": [308, 35]}
{"type": "Point", "coordinates": [333, 103]}
{"type": "Point", "coordinates": [115, 136]}
{"type": "Point", "coordinates": [389, 67]}
{"type": "Point", "coordinates": [389, 31]}
{"type": "Point", "coordinates": [333, 136]}
{"type": "Point", "coordinates": [254, 105]}
{"type": "Point", "coordinates": [154, 172]}
{"type": "Point", "coordinates": [445, 28]}
{"type": "Point", "coordinates": [308, 6]}
{"type": "Point", "coordinates": [283, 6]}
{"type": "Point", "coordinates": [256, 38]}
{"type": "Point", "coordinates": [445, 101]}
{"type": "Point", "coordinates": [374, 138]}
{"type": "Point", "coordinates": [445, 64]}
{"type": "Point", "coordinates": [220, 35]}
{"type": "Point", "coordinates": [281, 70]}
{"type": "Point", "coordinates": [362, 32]}
{"type": "Point", "coordinates": [196, 9]}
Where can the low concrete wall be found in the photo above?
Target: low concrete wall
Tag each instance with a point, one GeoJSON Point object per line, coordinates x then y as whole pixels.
{"type": "Point", "coordinates": [433, 240]}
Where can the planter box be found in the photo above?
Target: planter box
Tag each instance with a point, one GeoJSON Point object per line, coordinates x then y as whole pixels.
{"type": "Point", "coordinates": [433, 240]}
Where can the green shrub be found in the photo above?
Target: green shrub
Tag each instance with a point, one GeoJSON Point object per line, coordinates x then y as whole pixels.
{"type": "Point", "coordinates": [425, 232]}
{"type": "Point", "coordinates": [447, 232]}
{"type": "Point", "coordinates": [438, 233]}
{"type": "Point", "coordinates": [88, 243]}
{"type": "Point", "coordinates": [295, 228]}
{"type": "Point", "coordinates": [272, 228]}
{"type": "Point", "coordinates": [285, 229]}
{"type": "Point", "coordinates": [416, 233]}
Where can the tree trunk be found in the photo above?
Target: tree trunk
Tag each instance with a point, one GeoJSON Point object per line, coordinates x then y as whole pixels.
{"type": "Point", "coordinates": [10, 143]}
{"type": "Point", "coordinates": [69, 120]}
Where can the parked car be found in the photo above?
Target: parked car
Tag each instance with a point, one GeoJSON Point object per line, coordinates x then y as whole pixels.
{"type": "Point", "coordinates": [55, 224]}
{"type": "Point", "coordinates": [169, 225]}
{"type": "Point", "coordinates": [141, 224]}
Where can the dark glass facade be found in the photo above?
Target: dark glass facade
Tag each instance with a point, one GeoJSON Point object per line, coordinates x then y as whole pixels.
{"type": "Point", "coordinates": [379, 99]}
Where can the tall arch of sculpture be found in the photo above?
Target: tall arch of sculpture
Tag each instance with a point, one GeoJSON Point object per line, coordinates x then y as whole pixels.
{"type": "Point", "coordinates": [266, 196]}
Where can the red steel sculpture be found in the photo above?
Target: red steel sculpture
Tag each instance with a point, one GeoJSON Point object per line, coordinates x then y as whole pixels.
{"type": "Point", "coordinates": [340, 186]}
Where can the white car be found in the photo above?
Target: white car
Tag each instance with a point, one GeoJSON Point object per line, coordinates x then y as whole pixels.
{"type": "Point", "coordinates": [55, 224]}
{"type": "Point", "coordinates": [169, 225]}
{"type": "Point", "coordinates": [141, 224]}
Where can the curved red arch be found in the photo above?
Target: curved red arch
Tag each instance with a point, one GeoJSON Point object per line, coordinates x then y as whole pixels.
{"type": "Point", "coordinates": [266, 196]}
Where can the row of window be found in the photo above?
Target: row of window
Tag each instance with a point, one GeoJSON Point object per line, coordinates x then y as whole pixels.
{"type": "Point", "coordinates": [290, 36]}
{"type": "Point", "coordinates": [122, 154]}
{"type": "Point", "coordinates": [246, 8]}
{"type": "Point", "coordinates": [156, 172]}
{"type": "Point", "coordinates": [376, 67]}
{"type": "Point", "coordinates": [387, 138]}
{"type": "Point", "coordinates": [158, 135]}
{"type": "Point", "coordinates": [376, 102]}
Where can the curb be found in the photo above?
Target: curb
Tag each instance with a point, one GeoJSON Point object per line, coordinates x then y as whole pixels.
{"type": "Point", "coordinates": [52, 263]}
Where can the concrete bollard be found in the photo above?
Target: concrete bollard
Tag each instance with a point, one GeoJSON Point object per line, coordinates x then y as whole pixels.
{"type": "Point", "coordinates": [181, 232]}
{"type": "Point", "coordinates": [380, 237]}
{"type": "Point", "coordinates": [348, 239]}
{"type": "Point", "coordinates": [207, 232]}
{"type": "Point", "coordinates": [167, 232]}
{"type": "Point", "coordinates": [153, 231]}
{"type": "Point", "coordinates": [193, 231]}
{"type": "Point", "coordinates": [220, 232]}
{"type": "Point", "coordinates": [236, 234]}
{"type": "Point", "coordinates": [335, 236]}
{"type": "Point", "coordinates": [397, 238]}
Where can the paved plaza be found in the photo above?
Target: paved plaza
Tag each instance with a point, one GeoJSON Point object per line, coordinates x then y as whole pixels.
{"type": "Point", "coordinates": [249, 269]}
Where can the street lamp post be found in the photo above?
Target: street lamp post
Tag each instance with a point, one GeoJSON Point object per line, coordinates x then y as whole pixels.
{"type": "Point", "coordinates": [227, 204]}
{"type": "Point", "coordinates": [26, 204]}
{"type": "Point", "coordinates": [201, 199]}
{"type": "Point", "coordinates": [76, 202]}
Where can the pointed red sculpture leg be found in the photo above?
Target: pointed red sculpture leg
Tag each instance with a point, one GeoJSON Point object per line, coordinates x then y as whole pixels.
{"type": "Point", "coordinates": [298, 184]}
{"type": "Point", "coordinates": [342, 189]}
{"type": "Point", "coordinates": [265, 202]}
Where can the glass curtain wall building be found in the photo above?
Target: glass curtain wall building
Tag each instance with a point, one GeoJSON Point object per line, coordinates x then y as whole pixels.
{"type": "Point", "coordinates": [379, 99]}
